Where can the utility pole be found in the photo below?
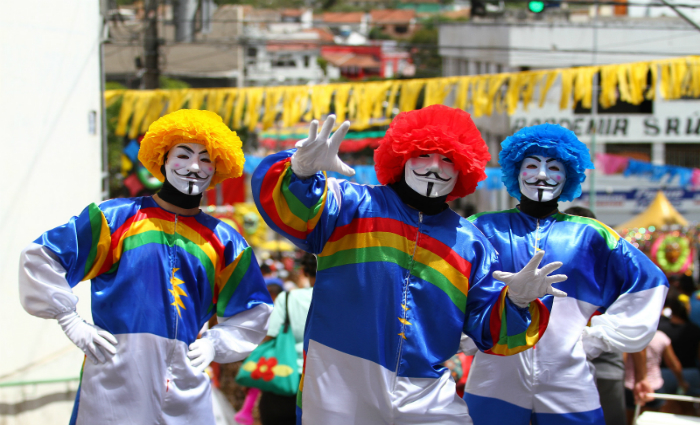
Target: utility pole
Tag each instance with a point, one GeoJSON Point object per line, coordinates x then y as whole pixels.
{"type": "Point", "coordinates": [150, 45]}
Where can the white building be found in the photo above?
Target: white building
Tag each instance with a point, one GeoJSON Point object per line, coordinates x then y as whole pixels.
{"type": "Point", "coordinates": [282, 48]}
{"type": "Point", "coordinates": [50, 97]}
{"type": "Point", "coordinates": [660, 131]}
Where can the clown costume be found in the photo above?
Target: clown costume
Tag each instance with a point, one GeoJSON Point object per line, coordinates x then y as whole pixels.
{"type": "Point", "coordinates": [400, 275]}
{"type": "Point", "coordinates": [610, 282]}
{"type": "Point", "coordinates": [159, 270]}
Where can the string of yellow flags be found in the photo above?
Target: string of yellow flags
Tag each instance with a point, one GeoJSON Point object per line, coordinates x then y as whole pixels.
{"type": "Point", "coordinates": [373, 103]}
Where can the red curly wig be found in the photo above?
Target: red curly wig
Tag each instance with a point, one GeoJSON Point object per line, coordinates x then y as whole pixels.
{"type": "Point", "coordinates": [435, 129]}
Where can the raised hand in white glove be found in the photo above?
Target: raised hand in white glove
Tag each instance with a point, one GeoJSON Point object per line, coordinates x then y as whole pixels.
{"type": "Point", "coordinates": [531, 283]}
{"type": "Point", "coordinates": [201, 353]}
{"type": "Point", "coordinates": [319, 153]}
{"type": "Point", "coordinates": [96, 343]}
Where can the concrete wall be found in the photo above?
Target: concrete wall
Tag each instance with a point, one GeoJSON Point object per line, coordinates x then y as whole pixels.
{"type": "Point", "coordinates": [50, 116]}
{"type": "Point", "coordinates": [562, 44]}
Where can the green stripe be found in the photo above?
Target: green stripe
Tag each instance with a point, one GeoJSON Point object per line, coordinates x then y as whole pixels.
{"type": "Point", "coordinates": [233, 281]}
{"type": "Point", "coordinates": [475, 216]}
{"type": "Point", "coordinates": [295, 205]}
{"type": "Point", "coordinates": [364, 255]}
{"type": "Point", "coordinates": [156, 236]}
{"type": "Point", "coordinates": [400, 258]}
{"type": "Point", "coordinates": [513, 341]}
{"type": "Point", "coordinates": [609, 238]}
{"type": "Point", "coordinates": [95, 226]}
{"type": "Point", "coordinates": [433, 276]}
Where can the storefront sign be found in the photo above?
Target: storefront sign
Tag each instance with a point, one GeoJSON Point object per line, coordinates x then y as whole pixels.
{"type": "Point", "coordinates": [637, 200]}
{"type": "Point", "coordinates": [616, 127]}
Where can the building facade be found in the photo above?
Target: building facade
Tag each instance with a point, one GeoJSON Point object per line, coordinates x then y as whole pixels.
{"type": "Point", "coordinates": [662, 132]}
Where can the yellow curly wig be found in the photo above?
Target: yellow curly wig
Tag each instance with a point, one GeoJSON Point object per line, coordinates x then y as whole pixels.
{"type": "Point", "coordinates": [193, 126]}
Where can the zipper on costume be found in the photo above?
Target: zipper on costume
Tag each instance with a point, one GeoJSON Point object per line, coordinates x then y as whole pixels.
{"type": "Point", "coordinates": [405, 299]}
{"type": "Point", "coordinates": [177, 316]}
{"type": "Point", "coordinates": [533, 366]}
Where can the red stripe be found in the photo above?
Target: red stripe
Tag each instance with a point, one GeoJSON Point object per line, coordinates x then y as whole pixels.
{"type": "Point", "coordinates": [447, 254]}
{"type": "Point", "coordinates": [267, 189]}
{"type": "Point", "coordinates": [495, 323]}
{"type": "Point", "coordinates": [375, 224]}
{"type": "Point", "coordinates": [380, 224]}
{"type": "Point", "coordinates": [208, 235]}
{"type": "Point", "coordinates": [142, 214]}
{"type": "Point", "coordinates": [544, 317]}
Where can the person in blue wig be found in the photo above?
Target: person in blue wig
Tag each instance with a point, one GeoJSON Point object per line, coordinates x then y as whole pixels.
{"type": "Point", "coordinates": [612, 286]}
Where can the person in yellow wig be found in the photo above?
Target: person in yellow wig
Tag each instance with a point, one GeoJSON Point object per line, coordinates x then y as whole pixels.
{"type": "Point", "coordinates": [160, 269]}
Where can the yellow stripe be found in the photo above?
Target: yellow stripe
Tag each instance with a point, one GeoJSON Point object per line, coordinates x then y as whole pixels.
{"type": "Point", "coordinates": [392, 240]}
{"type": "Point", "coordinates": [226, 272]}
{"type": "Point", "coordinates": [611, 231]}
{"type": "Point", "coordinates": [532, 335]}
{"type": "Point", "coordinates": [283, 210]}
{"type": "Point", "coordinates": [312, 223]}
{"type": "Point", "coordinates": [102, 249]}
{"type": "Point", "coordinates": [168, 227]}
{"type": "Point", "coordinates": [434, 261]}
{"type": "Point", "coordinates": [368, 240]}
{"type": "Point", "coordinates": [201, 242]}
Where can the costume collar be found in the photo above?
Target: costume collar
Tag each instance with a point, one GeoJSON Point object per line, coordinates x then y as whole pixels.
{"type": "Point", "coordinates": [424, 204]}
{"type": "Point", "coordinates": [538, 209]}
{"type": "Point", "coordinates": [168, 193]}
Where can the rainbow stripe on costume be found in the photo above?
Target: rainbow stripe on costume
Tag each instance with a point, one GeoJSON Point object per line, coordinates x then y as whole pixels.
{"type": "Point", "coordinates": [393, 287]}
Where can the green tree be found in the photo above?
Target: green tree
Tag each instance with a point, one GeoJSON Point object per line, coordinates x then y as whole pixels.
{"type": "Point", "coordinates": [423, 46]}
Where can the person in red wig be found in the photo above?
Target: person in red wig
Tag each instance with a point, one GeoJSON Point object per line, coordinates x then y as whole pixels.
{"type": "Point", "coordinates": [400, 275]}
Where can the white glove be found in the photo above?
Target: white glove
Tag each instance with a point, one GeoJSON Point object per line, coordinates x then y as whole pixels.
{"type": "Point", "coordinates": [594, 343]}
{"type": "Point", "coordinates": [96, 343]}
{"type": "Point", "coordinates": [531, 283]}
{"type": "Point", "coordinates": [319, 153]}
{"type": "Point", "coordinates": [201, 353]}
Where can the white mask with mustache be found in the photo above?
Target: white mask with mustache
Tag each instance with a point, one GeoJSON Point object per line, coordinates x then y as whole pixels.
{"type": "Point", "coordinates": [432, 175]}
{"type": "Point", "coordinates": [541, 178]}
{"type": "Point", "coordinates": [189, 168]}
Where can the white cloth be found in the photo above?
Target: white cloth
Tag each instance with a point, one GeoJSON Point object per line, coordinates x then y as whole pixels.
{"type": "Point", "coordinates": [365, 393]}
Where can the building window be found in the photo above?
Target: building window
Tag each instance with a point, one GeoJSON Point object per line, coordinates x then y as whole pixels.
{"type": "Point", "coordinates": [284, 61]}
{"type": "Point", "coordinates": [683, 154]}
{"type": "Point", "coordinates": [463, 67]}
{"type": "Point", "coordinates": [252, 52]}
{"type": "Point", "coordinates": [307, 61]}
{"type": "Point", "coordinates": [638, 151]}
{"type": "Point", "coordinates": [401, 29]}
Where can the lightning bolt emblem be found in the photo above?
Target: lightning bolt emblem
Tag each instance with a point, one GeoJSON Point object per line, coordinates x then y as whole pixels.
{"type": "Point", "coordinates": [177, 292]}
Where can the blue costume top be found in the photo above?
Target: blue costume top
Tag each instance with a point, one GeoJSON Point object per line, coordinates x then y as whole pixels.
{"type": "Point", "coordinates": [607, 278]}
{"type": "Point", "coordinates": [394, 291]}
{"type": "Point", "coordinates": [156, 279]}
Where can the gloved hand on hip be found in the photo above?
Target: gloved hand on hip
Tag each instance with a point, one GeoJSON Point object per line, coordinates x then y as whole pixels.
{"type": "Point", "coordinates": [201, 353]}
{"type": "Point", "coordinates": [97, 344]}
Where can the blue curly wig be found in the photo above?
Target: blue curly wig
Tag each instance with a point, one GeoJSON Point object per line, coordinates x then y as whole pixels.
{"type": "Point", "coordinates": [549, 140]}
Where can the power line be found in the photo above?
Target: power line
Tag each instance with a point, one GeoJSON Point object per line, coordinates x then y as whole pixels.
{"type": "Point", "coordinates": [253, 42]}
